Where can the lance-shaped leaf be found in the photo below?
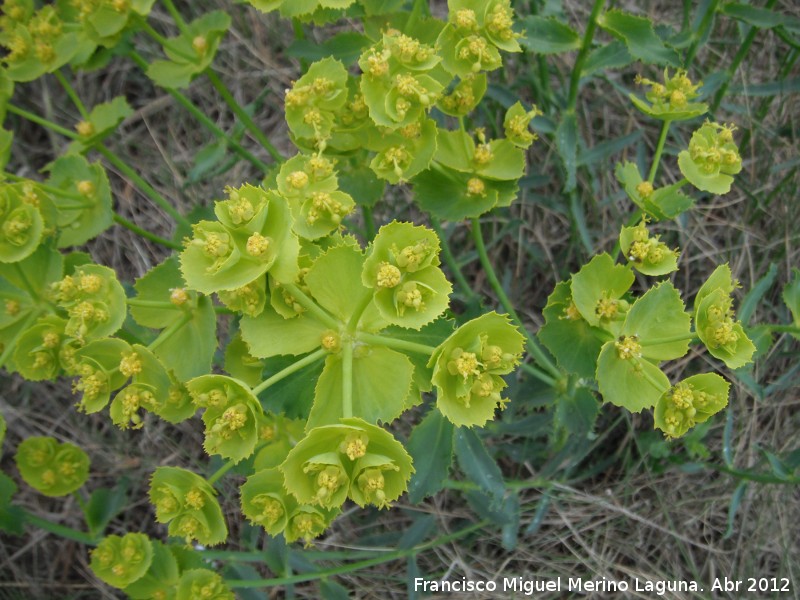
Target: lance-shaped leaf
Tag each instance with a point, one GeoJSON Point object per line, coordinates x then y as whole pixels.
{"type": "Point", "coordinates": [85, 208]}
{"type": "Point", "coordinates": [689, 402]}
{"type": "Point", "coordinates": [571, 339]}
{"type": "Point", "coordinates": [191, 52]}
{"type": "Point", "coordinates": [656, 328]}
{"type": "Point", "coordinates": [597, 291]}
{"type": "Point", "coordinates": [467, 368]}
{"type": "Point", "coordinates": [431, 446]}
{"type": "Point", "coordinates": [120, 561]}
{"type": "Point", "coordinates": [187, 502]}
{"type": "Point", "coordinates": [166, 303]}
{"type": "Point", "coordinates": [647, 254]}
{"type": "Point", "coordinates": [664, 203]}
{"type": "Point", "coordinates": [52, 468]}
{"type": "Point", "coordinates": [372, 399]}
{"type": "Point", "coordinates": [231, 415]}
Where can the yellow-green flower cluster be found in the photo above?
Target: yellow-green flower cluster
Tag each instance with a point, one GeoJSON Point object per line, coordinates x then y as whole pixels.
{"type": "Point", "coordinates": [52, 468]}
{"type": "Point", "coordinates": [689, 402]}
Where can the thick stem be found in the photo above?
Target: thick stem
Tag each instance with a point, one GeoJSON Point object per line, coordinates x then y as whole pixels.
{"type": "Point", "coordinates": [662, 139]}
{"type": "Point", "coordinates": [292, 368]}
{"type": "Point", "coordinates": [535, 350]}
{"type": "Point", "coordinates": [145, 187]}
{"type": "Point", "coordinates": [668, 340]}
{"type": "Point", "coordinates": [352, 324]}
{"type": "Point", "coordinates": [243, 116]}
{"type": "Point", "coordinates": [588, 35]}
{"type": "Point", "coordinates": [312, 307]}
{"type": "Point", "coordinates": [220, 472]}
{"type": "Point", "coordinates": [389, 342]}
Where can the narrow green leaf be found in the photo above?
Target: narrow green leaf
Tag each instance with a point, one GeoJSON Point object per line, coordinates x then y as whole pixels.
{"type": "Point", "coordinates": [567, 144]}
{"type": "Point", "coordinates": [762, 18]}
{"type": "Point", "coordinates": [431, 447]}
{"type": "Point", "coordinates": [104, 504]}
{"type": "Point", "coordinates": [478, 465]}
{"type": "Point", "coordinates": [639, 36]}
{"type": "Point", "coordinates": [733, 508]}
{"type": "Point", "coordinates": [756, 293]}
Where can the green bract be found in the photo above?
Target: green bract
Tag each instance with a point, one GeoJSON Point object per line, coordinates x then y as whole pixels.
{"type": "Point", "coordinates": [202, 583]}
{"type": "Point", "coordinates": [313, 100]}
{"type": "Point", "coordinates": [713, 312]}
{"type": "Point", "coordinates": [187, 502]}
{"type": "Point", "coordinates": [84, 209]}
{"type": "Point", "coordinates": [464, 96]}
{"type": "Point", "coordinates": [101, 122]}
{"type": "Point", "coordinates": [38, 349]}
{"type": "Point", "coordinates": [96, 365]}
{"type": "Point", "coordinates": [656, 328]}
{"type": "Point", "coordinates": [21, 224]}
{"type": "Point", "coordinates": [474, 33]}
{"type": "Point", "coordinates": [231, 415]}
{"type": "Point", "coordinates": [517, 125]}
{"type": "Point", "coordinates": [597, 291]}
{"type": "Point", "coordinates": [354, 459]}
{"type": "Point", "coordinates": [647, 254]}
{"type": "Point", "coordinates": [658, 203]}
{"type": "Point", "coordinates": [253, 236]}
{"type": "Point", "coordinates": [689, 402]}
{"type": "Point", "coordinates": [712, 158]}
{"type": "Point", "coordinates": [51, 468]}
{"type": "Point", "coordinates": [119, 561]}
{"type": "Point", "coordinates": [94, 301]}
{"type": "Point", "coordinates": [405, 152]}
{"type": "Point", "coordinates": [191, 52]}
{"type": "Point", "coordinates": [400, 82]}
{"type": "Point", "coordinates": [670, 101]}
{"type": "Point", "coordinates": [468, 365]}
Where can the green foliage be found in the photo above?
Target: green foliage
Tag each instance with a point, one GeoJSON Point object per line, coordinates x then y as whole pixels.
{"type": "Point", "coordinates": [119, 561]}
{"type": "Point", "coordinates": [51, 468]}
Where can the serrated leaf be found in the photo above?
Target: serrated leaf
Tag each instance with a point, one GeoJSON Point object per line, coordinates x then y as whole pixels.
{"type": "Point", "coordinates": [613, 55]}
{"type": "Point", "coordinates": [762, 18]}
{"type": "Point", "coordinates": [549, 36]}
{"type": "Point", "coordinates": [478, 465]}
{"type": "Point", "coordinates": [346, 47]}
{"type": "Point", "coordinates": [431, 447]}
{"type": "Point", "coordinates": [639, 36]}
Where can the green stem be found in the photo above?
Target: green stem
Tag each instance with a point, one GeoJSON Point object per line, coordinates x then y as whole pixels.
{"type": "Point", "coordinates": [73, 96]}
{"type": "Point", "coordinates": [25, 282]}
{"type": "Point", "coordinates": [205, 121]}
{"type": "Point", "coordinates": [164, 42]}
{"type": "Point", "coordinates": [243, 116]}
{"type": "Point", "coordinates": [575, 79]}
{"type": "Point", "coordinates": [347, 378]}
{"type": "Point", "coordinates": [145, 187]}
{"type": "Point", "coordinates": [359, 565]}
{"type": "Point", "coordinates": [784, 329]}
{"type": "Point", "coordinates": [749, 476]}
{"type": "Point", "coordinates": [169, 331]}
{"type": "Point", "coordinates": [59, 530]}
{"type": "Point", "coordinates": [452, 263]}
{"type": "Point", "coordinates": [34, 118]}
{"type": "Point", "coordinates": [176, 16]}
{"type": "Point", "coordinates": [52, 190]}
{"type": "Point", "coordinates": [662, 138]}
{"type": "Point", "coordinates": [311, 306]}
{"type": "Point", "coordinates": [533, 345]}
{"type": "Point", "coordinates": [220, 472]}
{"type": "Point", "coordinates": [380, 340]}
{"type": "Point", "coordinates": [647, 377]}
{"type": "Point", "coordinates": [292, 368]}
{"type": "Point", "coordinates": [539, 374]}
{"type": "Point", "coordinates": [120, 220]}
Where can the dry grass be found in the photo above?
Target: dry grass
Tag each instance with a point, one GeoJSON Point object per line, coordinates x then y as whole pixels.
{"type": "Point", "coordinates": [640, 516]}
